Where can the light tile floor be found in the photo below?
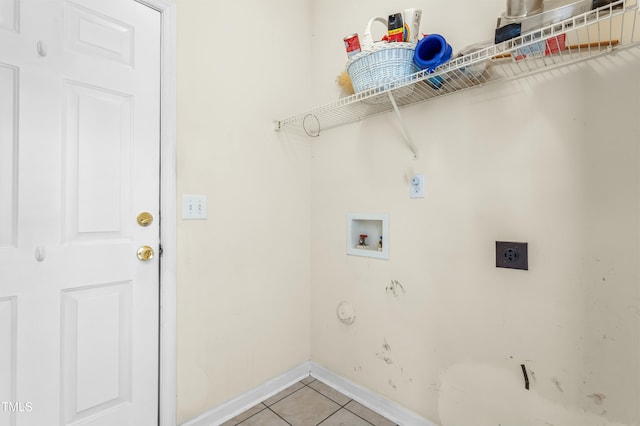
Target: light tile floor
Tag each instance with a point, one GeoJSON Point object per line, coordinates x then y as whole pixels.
{"type": "Point", "coordinates": [309, 402]}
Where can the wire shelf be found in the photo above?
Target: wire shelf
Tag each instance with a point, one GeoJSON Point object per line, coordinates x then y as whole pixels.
{"type": "Point", "coordinates": [581, 37]}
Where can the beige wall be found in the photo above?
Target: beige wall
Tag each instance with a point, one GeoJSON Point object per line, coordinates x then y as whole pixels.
{"type": "Point", "coordinates": [243, 274]}
{"type": "Point", "coordinates": [551, 160]}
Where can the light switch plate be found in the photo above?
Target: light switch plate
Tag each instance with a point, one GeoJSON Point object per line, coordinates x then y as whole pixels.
{"type": "Point", "coordinates": [194, 207]}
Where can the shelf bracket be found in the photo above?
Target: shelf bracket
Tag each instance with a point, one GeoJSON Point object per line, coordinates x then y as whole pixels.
{"type": "Point", "coordinates": [403, 128]}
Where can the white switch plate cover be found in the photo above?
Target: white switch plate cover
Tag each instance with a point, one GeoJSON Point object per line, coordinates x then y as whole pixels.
{"type": "Point", "coordinates": [194, 207]}
{"type": "Point", "coordinates": [416, 189]}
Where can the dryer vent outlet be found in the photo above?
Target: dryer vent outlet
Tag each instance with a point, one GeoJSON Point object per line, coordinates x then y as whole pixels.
{"type": "Point", "coordinates": [511, 255]}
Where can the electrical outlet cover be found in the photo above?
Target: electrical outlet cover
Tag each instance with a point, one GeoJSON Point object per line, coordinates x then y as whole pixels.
{"type": "Point", "coordinates": [416, 189]}
{"type": "Point", "coordinates": [512, 255]}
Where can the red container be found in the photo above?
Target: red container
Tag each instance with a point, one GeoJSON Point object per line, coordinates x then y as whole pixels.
{"type": "Point", "coordinates": [555, 44]}
{"type": "Point", "coordinates": [352, 45]}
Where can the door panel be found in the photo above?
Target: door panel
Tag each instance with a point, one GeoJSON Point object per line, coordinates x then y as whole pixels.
{"type": "Point", "coordinates": [9, 14]}
{"type": "Point", "coordinates": [96, 349]}
{"type": "Point", "coordinates": [8, 153]}
{"type": "Point", "coordinates": [8, 336]}
{"type": "Point", "coordinates": [88, 31]}
{"type": "Point", "coordinates": [98, 137]}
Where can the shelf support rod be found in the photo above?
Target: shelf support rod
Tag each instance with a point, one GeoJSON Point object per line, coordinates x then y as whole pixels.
{"type": "Point", "coordinates": [403, 128]}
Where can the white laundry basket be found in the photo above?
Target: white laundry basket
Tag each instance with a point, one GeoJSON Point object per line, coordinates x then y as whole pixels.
{"type": "Point", "coordinates": [380, 63]}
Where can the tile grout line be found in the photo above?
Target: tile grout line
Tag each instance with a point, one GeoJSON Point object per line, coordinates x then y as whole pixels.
{"type": "Point", "coordinates": [240, 424]}
{"type": "Point", "coordinates": [329, 398]}
{"type": "Point", "coordinates": [358, 415]}
{"type": "Point", "coordinates": [283, 419]}
{"type": "Point", "coordinates": [343, 406]}
{"type": "Point", "coordinates": [329, 416]}
{"type": "Point", "coordinates": [340, 406]}
{"type": "Point", "coordinates": [268, 407]}
{"type": "Point", "coordinates": [284, 397]}
{"type": "Point", "coordinates": [304, 385]}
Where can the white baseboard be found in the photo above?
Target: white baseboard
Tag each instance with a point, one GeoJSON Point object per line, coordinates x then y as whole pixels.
{"type": "Point", "coordinates": [230, 409]}
{"type": "Point", "coordinates": [373, 401]}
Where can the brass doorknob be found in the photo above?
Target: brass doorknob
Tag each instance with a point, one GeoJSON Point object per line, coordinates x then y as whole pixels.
{"type": "Point", "coordinates": [144, 219]}
{"type": "Point", "coordinates": [145, 253]}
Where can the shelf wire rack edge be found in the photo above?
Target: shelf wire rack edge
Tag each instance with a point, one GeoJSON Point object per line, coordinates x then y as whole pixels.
{"type": "Point", "coordinates": [499, 58]}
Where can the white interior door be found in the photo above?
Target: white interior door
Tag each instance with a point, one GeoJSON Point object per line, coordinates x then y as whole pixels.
{"type": "Point", "coordinates": [79, 160]}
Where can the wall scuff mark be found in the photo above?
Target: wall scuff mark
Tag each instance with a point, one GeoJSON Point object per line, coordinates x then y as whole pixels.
{"type": "Point", "coordinates": [526, 377]}
{"type": "Point", "coordinates": [495, 395]}
{"type": "Point", "coordinates": [557, 383]}
{"type": "Point", "coordinates": [384, 354]}
{"type": "Point", "coordinates": [386, 346]}
{"type": "Point", "coordinates": [395, 288]}
{"type": "Point", "coordinates": [597, 398]}
{"type": "Point", "coordinates": [384, 358]}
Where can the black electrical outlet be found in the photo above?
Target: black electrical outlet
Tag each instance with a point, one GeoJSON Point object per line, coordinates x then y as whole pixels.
{"type": "Point", "coordinates": [511, 255]}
